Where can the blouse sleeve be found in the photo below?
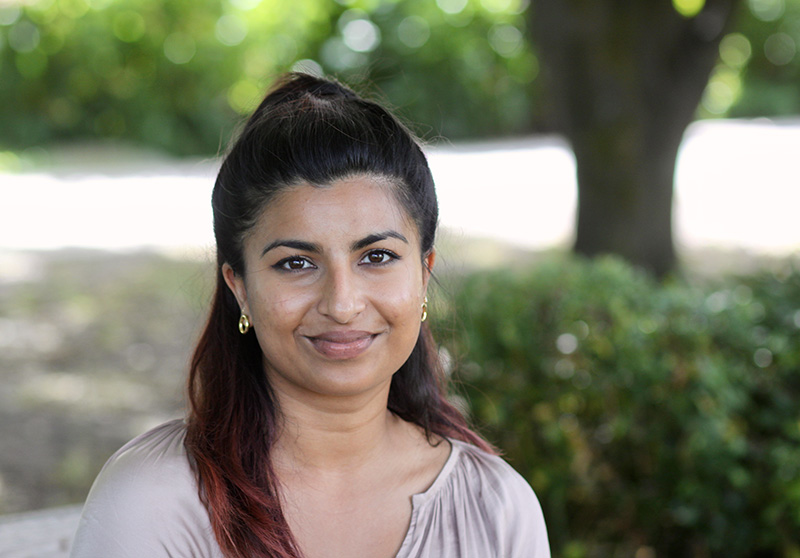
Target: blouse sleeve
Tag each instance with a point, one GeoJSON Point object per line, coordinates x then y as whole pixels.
{"type": "Point", "coordinates": [526, 536]}
{"type": "Point", "coordinates": [145, 503]}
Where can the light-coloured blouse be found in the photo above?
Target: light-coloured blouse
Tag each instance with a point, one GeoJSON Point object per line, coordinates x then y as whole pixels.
{"type": "Point", "coordinates": [145, 503]}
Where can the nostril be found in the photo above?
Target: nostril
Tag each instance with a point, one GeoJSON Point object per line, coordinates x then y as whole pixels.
{"type": "Point", "coordinates": [341, 305]}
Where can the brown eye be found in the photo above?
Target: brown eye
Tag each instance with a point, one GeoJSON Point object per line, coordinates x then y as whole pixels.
{"type": "Point", "coordinates": [378, 257]}
{"type": "Point", "coordinates": [294, 263]}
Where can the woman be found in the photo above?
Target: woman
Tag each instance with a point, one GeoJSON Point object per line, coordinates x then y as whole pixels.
{"type": "Point", "coordinates": [318, 424]}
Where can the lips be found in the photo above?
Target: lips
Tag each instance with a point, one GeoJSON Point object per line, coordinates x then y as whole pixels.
{"type": "Point", "coordinates": [342, 345]}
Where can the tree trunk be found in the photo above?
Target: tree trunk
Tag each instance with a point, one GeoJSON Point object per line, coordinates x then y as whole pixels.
{"type": "Point", "coordinates": [625, 79]}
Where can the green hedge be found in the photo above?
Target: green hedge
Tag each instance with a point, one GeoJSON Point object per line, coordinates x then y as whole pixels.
{"type": "Point", "coordinates": [652, 419]}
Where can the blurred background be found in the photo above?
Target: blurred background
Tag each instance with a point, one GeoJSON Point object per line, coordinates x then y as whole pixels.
{"type": "Point", "coordinates": [619, 195]}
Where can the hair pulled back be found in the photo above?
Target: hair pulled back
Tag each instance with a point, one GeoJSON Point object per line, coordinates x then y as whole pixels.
{"type": "Point", "coordinates": [314, 131]}
{"type": "Point", "coordinates": [306, 131]}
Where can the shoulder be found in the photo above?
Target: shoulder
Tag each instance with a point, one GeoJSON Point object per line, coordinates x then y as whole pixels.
{"type": "Point", "coordinates": [491, 509]}
{"type": "Point", "coordinates": [151, 469]}
{"type": "Point", "coordinates": [145, 501]}
{"type": "Point", "coordinates": [491, 474]}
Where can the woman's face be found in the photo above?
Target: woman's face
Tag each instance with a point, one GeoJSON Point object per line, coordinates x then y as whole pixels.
{"type": "Point", "coordinates": [334, 285]}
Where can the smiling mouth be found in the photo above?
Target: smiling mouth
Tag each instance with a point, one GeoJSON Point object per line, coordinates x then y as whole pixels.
{"type": "Point", "coordinates": [342, 345]}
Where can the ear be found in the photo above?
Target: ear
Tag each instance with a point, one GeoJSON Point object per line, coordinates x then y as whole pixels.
{"type": "Point", "coordinates": [427, 268]}
{"type": "Point", "coordinates": [236, 285]}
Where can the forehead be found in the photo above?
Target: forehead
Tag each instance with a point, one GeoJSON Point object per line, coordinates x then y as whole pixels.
{"type": "Point", "coordinates": [351, 207]}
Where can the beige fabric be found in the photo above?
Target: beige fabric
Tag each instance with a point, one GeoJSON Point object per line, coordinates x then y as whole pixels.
{"type": "Point", "coordinates": [145, 503]}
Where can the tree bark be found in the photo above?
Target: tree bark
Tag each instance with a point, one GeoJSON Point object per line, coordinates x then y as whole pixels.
{"type": "Point", "coordinates": [625, 79]}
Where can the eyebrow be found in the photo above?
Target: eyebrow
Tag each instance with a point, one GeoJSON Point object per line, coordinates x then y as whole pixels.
{"type": "Point", "coordinates": [296, 244]}
{"type": "Point", "coordinates": [373, 238]}
{"type": "Point", "coordinates": [316, 248]}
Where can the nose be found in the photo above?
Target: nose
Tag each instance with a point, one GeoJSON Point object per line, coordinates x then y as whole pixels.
{"type": "Point", "coordinates": [342, 297]}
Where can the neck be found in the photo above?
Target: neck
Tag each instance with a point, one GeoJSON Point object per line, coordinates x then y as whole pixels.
{"type": "Point", "coordinates": [334, 434]}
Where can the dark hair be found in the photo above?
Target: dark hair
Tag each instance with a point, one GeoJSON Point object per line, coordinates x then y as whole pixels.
{"type": "Point", "coordinates": [315, 131]}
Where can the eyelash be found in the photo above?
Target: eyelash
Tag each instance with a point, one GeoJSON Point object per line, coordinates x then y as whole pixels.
{"type": "Point", "coordinates": [283, 264]}
{"type": "Point", "coordinates": [383, 252]}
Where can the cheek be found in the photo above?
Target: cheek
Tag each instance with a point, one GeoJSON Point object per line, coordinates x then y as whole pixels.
{"type": "Point", "coordinates": [400, 301]}
{"type": "Point", "coordinates": [278, 309]}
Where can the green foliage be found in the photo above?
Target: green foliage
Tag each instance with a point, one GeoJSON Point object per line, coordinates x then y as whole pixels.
{"type": "Point", "coordinates": [176, 74]}
{"type": "Point", "coordinates": [759, 66]}
{"type": "Point", "coordinates": [648, 417]}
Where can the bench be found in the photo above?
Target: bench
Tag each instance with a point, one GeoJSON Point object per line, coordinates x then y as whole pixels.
{"type": "Point", "coordinates": [39, 534]}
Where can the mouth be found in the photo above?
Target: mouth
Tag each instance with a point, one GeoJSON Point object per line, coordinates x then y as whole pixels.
{"type": "Point", "coordinates": [342, 345]}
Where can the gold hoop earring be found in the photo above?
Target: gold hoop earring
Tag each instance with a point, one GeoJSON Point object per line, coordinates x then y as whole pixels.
{"type": "Point", "coordinates": [424, 309]}
{"type": "Point", "coordinates": [244, 324]}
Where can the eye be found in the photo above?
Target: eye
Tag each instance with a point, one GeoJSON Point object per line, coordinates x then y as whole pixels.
{"type": "Point", "coordinates": [379, 257]}
{"type": "Point", "coordinates": [294, 263]}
